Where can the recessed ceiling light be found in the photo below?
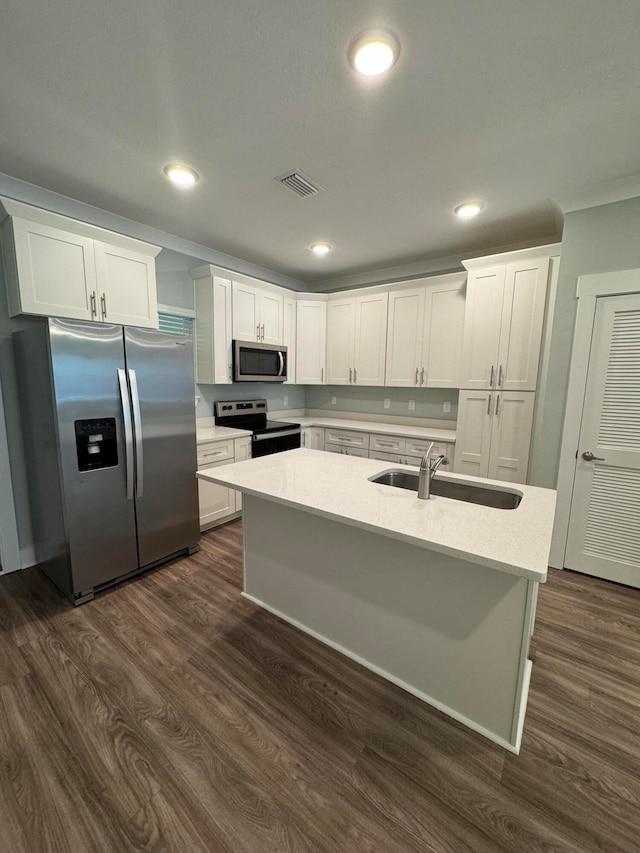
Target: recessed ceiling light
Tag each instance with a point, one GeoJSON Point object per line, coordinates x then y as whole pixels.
{"type": "Point", "coordinates": [181, 176]}
{"type": "Point", "coordinates": [469, 209]}
{"type": "Point", "coordinates": [374, 52]}
{"type": "Point", "coordinates": [320, 249]}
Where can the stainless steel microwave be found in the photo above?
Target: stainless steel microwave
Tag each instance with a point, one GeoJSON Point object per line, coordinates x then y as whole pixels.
{"type": "Point", "coordinates": [259, 362]}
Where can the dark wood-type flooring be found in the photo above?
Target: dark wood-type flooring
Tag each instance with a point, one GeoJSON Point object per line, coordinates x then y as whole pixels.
{"type": "Point", "coordinates": [171, 714]}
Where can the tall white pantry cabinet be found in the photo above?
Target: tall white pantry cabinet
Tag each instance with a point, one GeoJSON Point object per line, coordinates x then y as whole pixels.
{"type": "Point", "coordinates": [503, 324]}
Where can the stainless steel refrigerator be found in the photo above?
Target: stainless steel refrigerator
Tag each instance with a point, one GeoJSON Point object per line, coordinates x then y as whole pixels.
{"type": "Point", "coordinates": [109, 420]}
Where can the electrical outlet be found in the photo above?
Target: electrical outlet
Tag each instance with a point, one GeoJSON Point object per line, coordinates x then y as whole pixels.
{"type": "Point", "coordinates": [334, 400]}
{"type": "Point", "coordinates": [446, 407]}
{"type": "Point", "coordinates": [286, 401]}
{"type": "Point", "coordinates": [412, 405]}
{"type": "Point", "coordinates": [387, 403]}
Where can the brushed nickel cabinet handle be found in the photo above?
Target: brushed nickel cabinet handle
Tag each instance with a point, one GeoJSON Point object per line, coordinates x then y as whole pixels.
{"type": "Point", "coordinates": [92, 302]}
{"type": "Point", "coordinates": [489, 405]}
{"type": "Point", "coordinates": [422, 380]}
{"type": "Point", "coordinates": [322, 374]}
{"type": "Point", "coordinates": [350, 372]}
{"type": "Point", "coordinates": [258, 332]}
{"type": "Point", "coordinates": [497, 403]}
{"type": "Point", "coordinates": [417, 374]}
{"type": "Point", "coordinates": [103, 305]}
{"type": "Point", "coordinates": [493, 376]}
{"type": "Point", "coordinates": [500, 376]}
{"type": "Point", "coordinates": [355, 375]}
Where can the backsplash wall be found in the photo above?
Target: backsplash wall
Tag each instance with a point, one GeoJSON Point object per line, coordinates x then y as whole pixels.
{"type": "Point", "coordinates": [369, 400]}
{"type": "Point", "coordinates": [273, 393]}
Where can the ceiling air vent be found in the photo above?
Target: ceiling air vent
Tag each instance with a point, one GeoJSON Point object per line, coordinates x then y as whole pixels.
{"type": "Point", "coordinates": [299, 184]}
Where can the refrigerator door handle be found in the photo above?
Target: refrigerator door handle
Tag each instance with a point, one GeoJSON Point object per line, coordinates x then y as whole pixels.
{"type": "Point", "coordinates": [128, 431]}
{"type": "Point", "coordinates": [137, 425]}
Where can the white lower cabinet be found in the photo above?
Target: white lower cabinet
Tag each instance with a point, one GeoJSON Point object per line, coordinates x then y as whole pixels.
{"type": "Point", "coordinates": [494, 434]}
{"type": "Point", "coordinates": [219, 503]}
{"type": "Point", "coordinates": [408, 451]}
{"type": "Point", "coordinates": [312, 437]}
{"type": "Point", "coordinates": [346, 438]}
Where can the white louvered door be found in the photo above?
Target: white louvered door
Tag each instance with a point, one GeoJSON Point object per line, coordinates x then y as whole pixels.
{"type": "Point", "coordinates": [604, 526]}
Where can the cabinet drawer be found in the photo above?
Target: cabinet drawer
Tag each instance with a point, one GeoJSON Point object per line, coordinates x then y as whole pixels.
{"type": "Point", "coordinates": [387, 443]}
{"type": "Point", "coordinates": [385, 457]}
{"type": "Point", "coordinates": [346, 438]}
{"type": "Point", "coordinates": [347, 451]}
{"type": "Point", "coordinates": [419, 446]}
{"type": "Point", "coordinates": [215, 451]}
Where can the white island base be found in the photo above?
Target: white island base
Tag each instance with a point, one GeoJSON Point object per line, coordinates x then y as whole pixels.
{"type": "Point", "coordinates": [454, 633]}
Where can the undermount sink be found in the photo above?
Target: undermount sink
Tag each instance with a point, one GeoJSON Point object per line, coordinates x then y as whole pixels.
{"type": "Point", "coordinates": [450, 489]}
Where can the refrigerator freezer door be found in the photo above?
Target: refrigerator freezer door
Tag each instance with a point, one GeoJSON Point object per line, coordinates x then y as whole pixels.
{"type": "Point", "coordinates": [166, 492]}
{"type": "Point", "coordinates": [100, 521]}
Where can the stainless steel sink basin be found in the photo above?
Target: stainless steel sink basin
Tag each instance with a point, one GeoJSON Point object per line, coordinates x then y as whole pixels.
{"type": "Point", "coordinates": [451, 489]}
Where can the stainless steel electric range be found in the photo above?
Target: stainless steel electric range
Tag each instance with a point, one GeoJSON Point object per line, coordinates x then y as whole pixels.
{"type": "Point", "coordinates": [268, 436]}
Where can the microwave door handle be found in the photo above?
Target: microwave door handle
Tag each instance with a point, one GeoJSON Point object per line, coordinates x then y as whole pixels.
{"type": "Point", "coordinates": [137, 425]}
{"type": "Point", "coordinates": [128, 431]}
{"type": "Point", "coordinates": [281, 371]}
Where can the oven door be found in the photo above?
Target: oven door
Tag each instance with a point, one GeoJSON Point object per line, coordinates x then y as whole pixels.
{"type": "Point", "coordinates": [274, 442]}
{"type": "Point", "coordinates": [259, 362]}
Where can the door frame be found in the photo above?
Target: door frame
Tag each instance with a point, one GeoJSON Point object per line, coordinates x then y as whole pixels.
{"type": "Point", "coordinates": [9, 544]}
{"type": "Point", "coordinates": [589, 288]}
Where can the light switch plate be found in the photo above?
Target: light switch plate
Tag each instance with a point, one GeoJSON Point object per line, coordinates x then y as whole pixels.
{"type": "Point", "coordinates": [446, 407]}
{"type": "Point", "coordinates": [387, 403]}
{"type": "Point", "coordinates": [412, 405]}
{"type": "Point", "coordinates": [286, 401]}
{"type": "Point", "coordinates": [334, 400]}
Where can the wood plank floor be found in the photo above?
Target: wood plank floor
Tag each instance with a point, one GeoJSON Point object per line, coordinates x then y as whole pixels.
{"type": "Point", "coordinates": [172, 715]}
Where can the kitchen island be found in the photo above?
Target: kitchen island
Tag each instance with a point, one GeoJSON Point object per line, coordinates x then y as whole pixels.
{"type": "Point", "coordinates": [437, 596]}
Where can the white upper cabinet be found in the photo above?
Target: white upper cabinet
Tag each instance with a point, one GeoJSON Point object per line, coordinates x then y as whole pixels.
{"type": "Point", "coordinates": [257, 313]}
{"type": "Point", "coordinates": [289, 337]}
{"type": "Point", "coordinates": [311, 338]}
{"type": "Point", "coordinates": [213, 298]}
{"type": "Point", "coordinates": [356, 336]}
{"type": "Point", "coordinates": [504, 318]}
{"type": "Point", "coordinates": [424, 333]}
{"type": "Point", "coordinates": [370, 339]}
{"type": "Point", "coordinates": [59, 267]}
{"type": "Point", "coordinates": [341, 321]}
{"type": "Point", "coordinates": [127, 286]}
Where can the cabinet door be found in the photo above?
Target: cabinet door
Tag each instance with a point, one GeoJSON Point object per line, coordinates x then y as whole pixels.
{"type": "Point", "coordinates": [213, 330]}
{"type": "Point", "coordinates": [126, 283]}
{"type": "Point", "coordinates": [55, 271]}
{"type": "Point", "coordinates": [404, 336]}
{"type": "Point", "coordinates": [242, 452]}
{"type": "Point", "coordinates": [443, 335]}
{"type": "Point", "coordinates": [511, 436]}
{"type": "Point", "coordinates": [246, 312]}
{"type": "Point", "coordinates": [316, 438]}
{"type": "Point", "coordinates": [370, 339]}
{"type": "Point", "coordinates": [311, 342]}
{"type": "Point", "coordinates": [216, 502]}
{"type": "Point", "coordinates": [271, 317]}
{"type": "Point", "coordinates": [522, 319]}
{"type": "Point", "coordinates": [473, 432]}
{"type": "Point", "coordinates": [340, 341]}
{"type": "Point", "coordinates": [482, 324]}
{"type": "Point", "coordinates": [289, 337]}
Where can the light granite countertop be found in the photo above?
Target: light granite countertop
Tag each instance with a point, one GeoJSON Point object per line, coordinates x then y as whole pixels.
{"type": "Point", "coordinates": [402, 430]}
{"type": "Point", "coordinates": [337, 487]}
{"type": "Point", "coordinates": [219, 433]}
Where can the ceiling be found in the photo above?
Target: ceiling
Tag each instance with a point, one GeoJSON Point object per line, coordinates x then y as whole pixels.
{"type": "Point", "coordinates": [519, 104]}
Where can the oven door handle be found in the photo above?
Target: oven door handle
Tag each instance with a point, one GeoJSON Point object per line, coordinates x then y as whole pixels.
{"type": "Point", "coordinates": [281, 357]}
{"type": "Point", "coordinates": [276, 434]}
